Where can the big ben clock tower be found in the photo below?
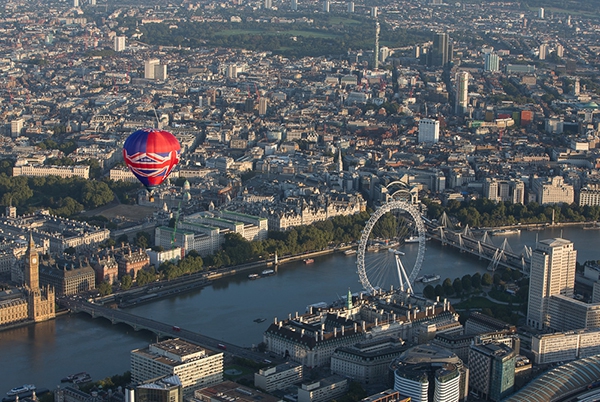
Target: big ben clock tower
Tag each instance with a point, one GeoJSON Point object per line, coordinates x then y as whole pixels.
{"type": "Point", "coordinates": [41, 301]}
{"type": "Point", "coordinates": [32, 266]}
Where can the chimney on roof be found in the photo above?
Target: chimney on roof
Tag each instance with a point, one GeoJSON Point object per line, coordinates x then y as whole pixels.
{"type": "Point", "coordinates": [342, 330]}
{"type": "Point", "coordinates": [335, 332]}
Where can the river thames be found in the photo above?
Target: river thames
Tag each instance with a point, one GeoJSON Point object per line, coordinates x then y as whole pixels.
{"type": "Point", "coordinates": [44, 353]}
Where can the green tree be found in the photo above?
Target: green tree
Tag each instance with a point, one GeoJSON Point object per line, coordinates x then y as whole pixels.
{"type": "Point", "coordinates": [142, 240]}
{"type": "Point", "coordinates": [457, 285]}
{"type": "Point", "coordinates": [123, 239]}
{"type": "Point", "coordinates": [95, 194]}
{"type": "Point", "coordinates": [466, 282]}
{"type": "Point", "coordinates": [126, 282]}
{"type": "Point", "coordinates": [429, 292]}
{"type": "Point", "coordinates": [486, 279]}
{"type": "Point", "coordinates": [105, 288]}
{"type": "Point", "coordinates": [476, 280]}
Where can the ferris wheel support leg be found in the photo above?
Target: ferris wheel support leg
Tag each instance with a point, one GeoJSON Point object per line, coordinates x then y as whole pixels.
{"type": "Point", "coordinates": [403, 276]}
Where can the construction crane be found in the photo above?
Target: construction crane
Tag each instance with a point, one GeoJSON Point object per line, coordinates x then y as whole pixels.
{"type": "Point", "coordinates": [177, 214]}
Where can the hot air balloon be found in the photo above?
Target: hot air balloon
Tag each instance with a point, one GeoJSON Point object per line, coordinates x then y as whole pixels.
{"type": "Point", "coordinates": [151, 155]}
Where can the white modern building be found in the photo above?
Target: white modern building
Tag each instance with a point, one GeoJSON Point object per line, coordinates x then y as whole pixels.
{"type": "Point", "coordinates": [552, 273]}
{"type": "Point", "coordinates": [119, 44]}
{"type": "Point", "coordinates": [196, 367]}
{"type": "Point", "coordinates": [429, 131]}
{"type": "Point", "coordinates": [149, 68]}
{"type": "Point", "coordinates": [491, 62]}
{"type": "Point", "coordinates": [279, 377]}
{"type": "Point", "coordinates": [565, 346]}
{"type": "Point", "coordinates": [426, 370]}
{"type": "Point", "coordinates": [462, 92]}
{"type": "Point", "coordinates": [589, 195]}
{"type": "Point", "coordinates": [327, 389]}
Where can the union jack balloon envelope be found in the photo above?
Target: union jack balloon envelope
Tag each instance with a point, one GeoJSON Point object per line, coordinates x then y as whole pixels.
{"type": "Point", "coordinates": [151, 155]}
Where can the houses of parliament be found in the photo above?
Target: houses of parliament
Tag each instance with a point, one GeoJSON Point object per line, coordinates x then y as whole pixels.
{"type": "Point", "coordinates": [30, 303]}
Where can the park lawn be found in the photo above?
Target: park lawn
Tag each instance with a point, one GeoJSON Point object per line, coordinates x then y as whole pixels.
{"type": "Point", "coordinates": [557, 10]}
{"type": "Point", "coordinates": [307, 34]}
{"type": "Point", "coordinates": [474, 302]}
{"type": "Point", "coordinates": [243, 369]}
{"type": "Point", "coordinates": [345, 21]}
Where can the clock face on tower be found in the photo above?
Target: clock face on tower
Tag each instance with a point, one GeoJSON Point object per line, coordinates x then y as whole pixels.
{"type": "Point", "coordinates": [33, 260]}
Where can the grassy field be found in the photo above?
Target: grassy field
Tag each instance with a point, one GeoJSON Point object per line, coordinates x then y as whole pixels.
{"type": "Point", "coordinates": [342, 20]}
{"type": "Point", "coordinates": [308, 34]}
{"type": "Point", "coordinates": [474, 302]}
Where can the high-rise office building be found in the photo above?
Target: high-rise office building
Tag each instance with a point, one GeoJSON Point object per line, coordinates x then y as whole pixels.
{"type": "Point", "coordinates": [119, 44]}
{"type": "Point", "coordinates": [160, 72]}
{"type": "Point", "coordinates": [491, 62]}
{"type": "Point", "coordinates": [560, 50]}
{"type": "Point", "coordinates": [374, 12]}
{"type": "Point", "coordinates": [462, 92]}
{"type": "Point", "coordinates": [441, 51]}
{"type": "Point", "coordinates": [541, 13]}
{"type": "Point", "coordinates": [512, 190]}
{"type": "Point", "coordinates": [350, 7]}
{"type": "Point", "coordinates": [268, 4]}
{"type": "Point", "coordinates": [492, 370]}
{"type": "Point", "coordinates": [429, 131]}
{"type": "Point", "coordinates": [149, 68]}
{"type": "Point", "coordinates": [376, 53]}
{"type": "Point", "coordinates": [552, 273]}
{"type": "Point", "coordinates": [543, 51]}
{"type": "Point", "coordinates": [294, 5]}
{"type": "Point", "coordinates": [75, 3]}
{"type": "Point", "coordinates": [16, 126]}
{"type": "Point", "coordinates": [326, 6]}
{"type": "Point", "coordinates": [263, 104]}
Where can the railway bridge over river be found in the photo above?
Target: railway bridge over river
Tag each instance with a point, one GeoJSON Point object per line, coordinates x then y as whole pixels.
{"type": "Point", "coordinates": [483, 247]}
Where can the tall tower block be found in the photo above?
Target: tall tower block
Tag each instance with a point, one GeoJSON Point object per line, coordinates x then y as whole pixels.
{"type": "Point", "coordinates": [377, 30]}
{"type": "Point", "coordinates": [552, 273]}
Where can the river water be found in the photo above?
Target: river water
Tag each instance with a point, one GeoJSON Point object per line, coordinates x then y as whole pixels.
{"type": "Point", "coordinates": [44, 353]}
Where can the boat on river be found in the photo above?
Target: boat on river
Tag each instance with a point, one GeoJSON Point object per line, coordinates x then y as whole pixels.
{"type": "Point", "coordinates": [505, 232]}
{"type": "Point", "coordinates": [83, 379]}
{"type": "Point", "coordinates": [253, 276]}
{"type": "Point", "coordinates": [309, 261]}
{"type": "Point", "coordinates": [430, 278]}
{"type": "Point", "coordinates": [412, 239]}
{"type": "Point", "coordinates": [19, 390]}
{"type": "Point", "coordinates": [267, 272]}
{"type": "Point", "coordinates": [350, 251]}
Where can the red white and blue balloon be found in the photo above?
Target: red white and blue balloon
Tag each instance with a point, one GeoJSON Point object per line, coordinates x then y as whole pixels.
{"type": "Point", "coordinates": [151, 155]}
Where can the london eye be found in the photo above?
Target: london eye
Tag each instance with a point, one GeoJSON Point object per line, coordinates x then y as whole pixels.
{"type": "Point", "coordinates": [391, 248]}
